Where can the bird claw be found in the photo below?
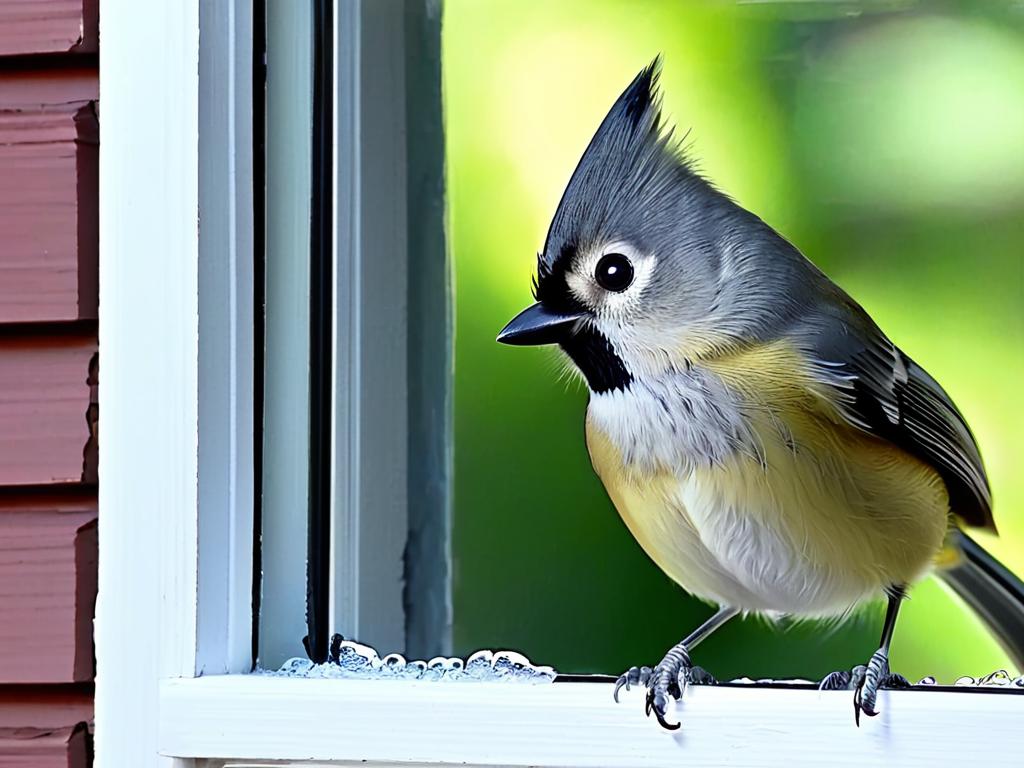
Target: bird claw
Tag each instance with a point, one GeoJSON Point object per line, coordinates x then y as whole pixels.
{"type": "Point", "coordinates": [632, 676]}
{"type": "Point", "coordinates": [836, 681]}
{"type": "Point", "coordinates": [865, 681]}
{"type": "Point", "coordinates": [657, 702]}
{"type": "Point", "coordinates": [665, 682]}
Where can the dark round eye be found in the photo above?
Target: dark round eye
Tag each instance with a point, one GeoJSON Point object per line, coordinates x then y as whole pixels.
{"type": "Point", "coordinates": [614, 272]}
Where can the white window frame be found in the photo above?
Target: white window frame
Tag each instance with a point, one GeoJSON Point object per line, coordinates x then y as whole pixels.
{"type": "Point", "coordinates": [173, 625]}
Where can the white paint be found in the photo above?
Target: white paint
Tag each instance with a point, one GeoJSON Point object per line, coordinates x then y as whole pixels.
{"type": "Point", "coordinates": [149, 324]}
{"type": "Point", "coordinates": [225, 339]}
{"type": "Point", "coordinates": [249, 718]}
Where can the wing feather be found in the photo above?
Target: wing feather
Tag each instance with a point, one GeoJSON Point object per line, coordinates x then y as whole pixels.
{"type": "Point", "coordinates": [882, 391]}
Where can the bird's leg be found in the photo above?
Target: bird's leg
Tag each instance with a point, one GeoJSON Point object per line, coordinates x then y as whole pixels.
{"type": "Point", "coordinates": [867, 680]}
{"type": "Point", "coordinates": [674, 671]}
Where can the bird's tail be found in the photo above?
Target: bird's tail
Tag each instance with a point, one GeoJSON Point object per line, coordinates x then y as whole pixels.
{"type": "Point", "coordinates": [992, 591]}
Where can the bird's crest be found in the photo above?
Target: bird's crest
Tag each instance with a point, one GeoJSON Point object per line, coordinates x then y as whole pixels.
{"type": "Point", "coordinates": [629, 169]}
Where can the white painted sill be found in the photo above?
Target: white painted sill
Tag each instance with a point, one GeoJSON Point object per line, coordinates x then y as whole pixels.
{"type": "Point", "coordinates": [256, 718]}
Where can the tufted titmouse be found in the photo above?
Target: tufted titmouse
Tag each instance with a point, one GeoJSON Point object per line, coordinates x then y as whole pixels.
{"type": "Point", "coordinates": [768, 446]}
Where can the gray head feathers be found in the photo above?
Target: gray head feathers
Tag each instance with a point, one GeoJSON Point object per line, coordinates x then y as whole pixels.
{"type": "Point", "coordinates": [631, 170]}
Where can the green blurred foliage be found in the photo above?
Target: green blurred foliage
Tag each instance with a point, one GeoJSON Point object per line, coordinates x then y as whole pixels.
{"type": "Point", "coordinates": [885, 139]}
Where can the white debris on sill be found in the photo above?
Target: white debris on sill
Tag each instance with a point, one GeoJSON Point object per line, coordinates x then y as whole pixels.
{"type": "Point", "coordinates": [354, 660]}
{"type": "Point", "coordinates": [998, 679]}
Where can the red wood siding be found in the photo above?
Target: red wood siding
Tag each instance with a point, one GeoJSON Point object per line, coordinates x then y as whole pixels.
{"type": "Point", "coordinates": [44, 747]}
{"type": "Point", "coordinates": [49, 373]}
{"type": "Point", "coordinates": [49, 217]}
{"type": "Point", "coordinates": [45, 409]}
{"type": "Point", "coordinates": [45, 726]}
{"type": "Point", "coordinates": [47, 593]}
{"type": "Point", "coordinates": [52, 706]}
{"type": "Point", "coordinates": [47, 26]}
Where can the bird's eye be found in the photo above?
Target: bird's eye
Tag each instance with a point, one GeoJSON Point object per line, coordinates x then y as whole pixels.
{"type": "Point", "coordinates": [614, 272]}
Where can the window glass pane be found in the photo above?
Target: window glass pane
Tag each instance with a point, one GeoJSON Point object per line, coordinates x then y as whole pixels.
{"type": "Point", "coordinates": [286, 365]}
{"type": "Point", "coordinates": [887, 146]}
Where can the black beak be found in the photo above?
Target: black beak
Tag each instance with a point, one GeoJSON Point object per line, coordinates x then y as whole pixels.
{"type": "Point", "coordinates": [538, 325]}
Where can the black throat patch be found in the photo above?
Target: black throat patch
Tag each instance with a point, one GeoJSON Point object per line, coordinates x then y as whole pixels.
{"type": "Point", "coordinates": [593, 355]}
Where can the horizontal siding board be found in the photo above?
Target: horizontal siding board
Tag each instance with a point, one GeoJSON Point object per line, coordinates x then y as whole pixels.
{"type": "Point", "coordinates": [45, 706]}
{"type": "Point", "coordinates": [44, 747]}
{"type": "Point", "coordinates": [47, 595]}
{"type": "Point", "coordinates": [22, 87]}
{"type": "Point", "coordinates": [45, 410]}
{"type": "Point", "coordinates": [52, 715]}
{"type": "Point", "coordinates": [49, 191]}
{"type": "Point", "coordinates": [87, 210]}
{"type": "Point", "coordinates": [86, 575]}
{"type": "Point", "coordinates": [47, 26]}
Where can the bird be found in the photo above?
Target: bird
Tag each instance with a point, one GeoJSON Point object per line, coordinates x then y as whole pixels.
{"type": "Point", "coordinates": [763, 440]}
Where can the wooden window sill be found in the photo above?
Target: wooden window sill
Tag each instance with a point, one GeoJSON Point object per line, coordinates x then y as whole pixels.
{"type": "Point", "coordinates": [258, 718]}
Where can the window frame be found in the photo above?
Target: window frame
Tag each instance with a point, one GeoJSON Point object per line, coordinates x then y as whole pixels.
{"type": "Point", "coordinates": [174, 614]}
{"type": "Point", "coordinates": [149, 332]}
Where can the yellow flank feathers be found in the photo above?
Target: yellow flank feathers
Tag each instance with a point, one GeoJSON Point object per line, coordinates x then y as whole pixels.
{"type": "Point", "coordinates": [823, 516]}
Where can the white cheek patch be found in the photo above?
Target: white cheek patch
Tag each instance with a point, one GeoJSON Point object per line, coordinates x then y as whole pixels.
{"type": "Point", "coordinates": [609, 305]}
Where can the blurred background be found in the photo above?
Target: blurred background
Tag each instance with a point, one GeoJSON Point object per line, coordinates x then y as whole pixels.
{"type": "Point", "coordinates": [885, 139]}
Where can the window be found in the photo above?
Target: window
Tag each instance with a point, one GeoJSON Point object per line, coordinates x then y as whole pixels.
{"type": "Point", "coordinates": [806, 118]}
{"type": "Point", "coordinates": [358, 353]}
{"type": "Point", "coordinates": [181, 210]}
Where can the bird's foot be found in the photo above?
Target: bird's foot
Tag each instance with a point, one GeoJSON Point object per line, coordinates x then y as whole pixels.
{"type": "Point", "coordinates": [865, 681]}
{"type": "Point", "coordinates": [665, 681]}
{"type": "Point", "coordinates": [629, 678]}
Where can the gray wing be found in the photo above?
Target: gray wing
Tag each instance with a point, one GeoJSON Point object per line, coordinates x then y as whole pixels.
{"type": "Point", "coordinates": [883, 392]}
